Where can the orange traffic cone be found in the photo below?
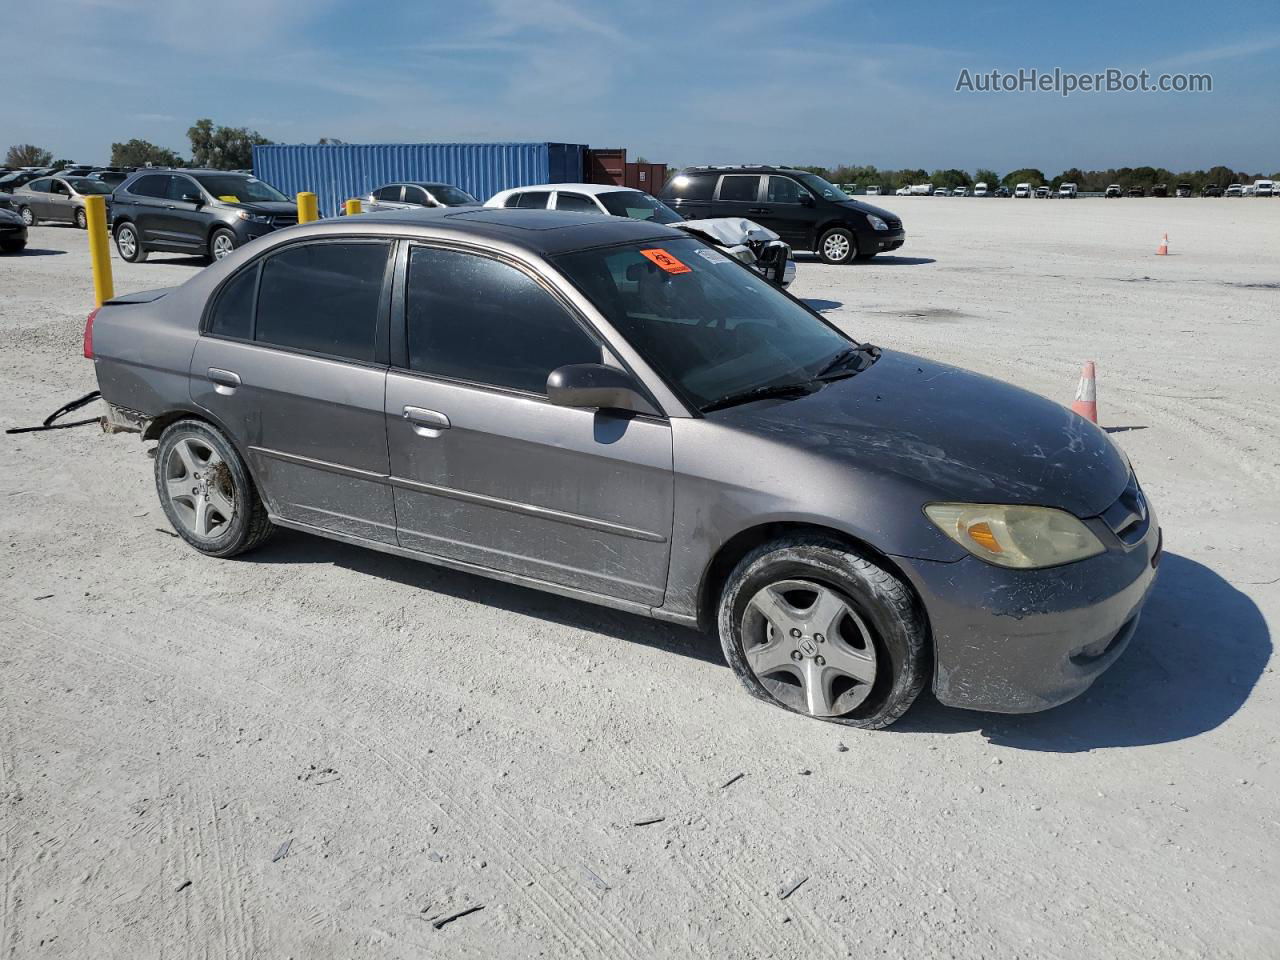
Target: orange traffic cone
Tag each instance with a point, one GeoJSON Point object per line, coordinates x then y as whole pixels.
{"type": "Point", "coordinates": [1086, 402]}
{"type": "Point", "coordinates": [1163, 249]}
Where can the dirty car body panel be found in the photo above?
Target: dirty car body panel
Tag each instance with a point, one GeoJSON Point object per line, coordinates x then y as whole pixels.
{"type": "Point", "coordinates": [637, 510]}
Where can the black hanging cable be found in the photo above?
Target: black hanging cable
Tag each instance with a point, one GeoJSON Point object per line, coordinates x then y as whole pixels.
{"type": "Point", "coordinates": [50, 422]}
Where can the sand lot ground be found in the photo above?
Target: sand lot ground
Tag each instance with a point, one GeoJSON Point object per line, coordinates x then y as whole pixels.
{"type": "Point", "coordinates": [168, 723]}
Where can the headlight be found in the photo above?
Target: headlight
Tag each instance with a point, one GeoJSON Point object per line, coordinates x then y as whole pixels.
{"type": "Point", "coordinates": [1013, 536]}
{"type": "Point", "coordinates": [876, 222]}
{"type": "Point", "coordinates": [252, 217]}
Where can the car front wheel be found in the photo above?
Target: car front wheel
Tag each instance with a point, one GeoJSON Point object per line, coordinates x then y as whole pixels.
{"type": "Point", "coordinates": [206, 491]}
{"type": "Point", "coordinates": [128, 244]}
{"type": "Point", "coordinates": [222, 244]}
{"type": "Point", "coordinates": [82, 220]}
{"type": "Point", "coordinates": [810, 626]}
{"type": "Point", "coordinates": [837, 246]}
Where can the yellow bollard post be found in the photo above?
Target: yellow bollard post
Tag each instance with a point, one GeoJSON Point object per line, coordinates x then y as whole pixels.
{"type": "Point", "coordinates": [95, 214]}
{"type": "Point", "coordinates": [308, 210]}
{"type": "Point", "coordinates": [353, 206]}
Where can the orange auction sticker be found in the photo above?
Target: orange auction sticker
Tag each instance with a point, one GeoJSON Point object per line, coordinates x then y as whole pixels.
{"type": "Point", "coordinates": [666, 261]}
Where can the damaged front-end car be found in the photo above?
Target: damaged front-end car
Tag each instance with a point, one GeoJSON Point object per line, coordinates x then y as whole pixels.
{"type": "Point", "coordinates": [747, 242]}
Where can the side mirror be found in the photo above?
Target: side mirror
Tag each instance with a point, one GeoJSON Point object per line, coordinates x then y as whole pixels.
{"type": "Point", "coordinates": [193, 198]}
{"type": "Point", "coordinates": [594, 385]}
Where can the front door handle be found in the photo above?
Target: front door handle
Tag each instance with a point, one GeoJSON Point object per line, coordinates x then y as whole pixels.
{"type": "Point", "coordinates": [224, 381]}
{"type": "Point", "coordinates": [426, 423]}
{"type": "Point", "coordinates": [758, 210]}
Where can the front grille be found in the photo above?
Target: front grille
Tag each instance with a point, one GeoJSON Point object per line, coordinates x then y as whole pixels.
{"type": "Point", "coordinates": [1129, 516]}
{"type": "Point", "coordinates": [284, 220]}
{"type": "Point", "coordinates": [894, 224]}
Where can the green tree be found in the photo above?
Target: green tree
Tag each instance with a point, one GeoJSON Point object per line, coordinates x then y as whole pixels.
{"type": "Point", "coordinates": [27, 155]}
{"type": "Point", "coordinates": [140, 153]}
{"type": "Point", "coordinates": [223, 148]}
{"type": "Point", "coordinates": [989, 177]}
{"type": "Point", "coordinates": [1026, 175]}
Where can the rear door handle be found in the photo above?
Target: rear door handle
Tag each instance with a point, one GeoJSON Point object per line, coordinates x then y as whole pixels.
{"type": "Point", "coordinates": [224, 381]}
{"type": "Point", "coordinates": [426, 423]}
{"type": "Point", "coordinates": [758, 210]}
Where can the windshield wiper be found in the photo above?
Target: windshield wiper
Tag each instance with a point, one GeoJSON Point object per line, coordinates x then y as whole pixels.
{"type": "Point", "coordinates": [760, 393]}
{"type": "Point", "coordinates": [833, 368]}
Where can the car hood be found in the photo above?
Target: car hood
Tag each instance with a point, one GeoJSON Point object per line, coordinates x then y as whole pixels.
{"type": "Point", "coordinates": [728, 231]}
{"type": "Point", "coordinates": [263, 206]}
{"type": "Point", "coordinates": [870, 208]}
{"type": "Point", "coordinates": [955, 434]}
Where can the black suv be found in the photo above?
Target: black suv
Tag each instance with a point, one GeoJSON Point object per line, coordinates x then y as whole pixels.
{"type": "Point", "coordinates": [205, 212]}
{"type": "Point", "coordinates": [806, 211]}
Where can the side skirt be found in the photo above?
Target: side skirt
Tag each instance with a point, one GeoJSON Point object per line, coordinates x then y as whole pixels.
{"type": "Point", "coordinates": [464, 567]}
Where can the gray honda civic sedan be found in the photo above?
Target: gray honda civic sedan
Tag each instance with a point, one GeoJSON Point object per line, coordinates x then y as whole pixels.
{"type": "Point", "coordinates": [615, 411]}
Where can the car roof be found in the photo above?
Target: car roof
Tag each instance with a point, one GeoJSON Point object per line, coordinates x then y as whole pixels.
{"type": "Point", "coordinates": [590, 189]}
{"type": "Point", "coordinates": [541, 232]}
{"type": "Point", "coordinates": [743, 168]}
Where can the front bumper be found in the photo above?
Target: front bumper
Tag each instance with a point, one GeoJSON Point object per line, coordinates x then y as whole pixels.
{"type": "Point", "coordinates": [880, 241]}
{"type": "Point", "coordinates": [1018, 641]}
{"type": "Point", "coordinates": [13, 232]}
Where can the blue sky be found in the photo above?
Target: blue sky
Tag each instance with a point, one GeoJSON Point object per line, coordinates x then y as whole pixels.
{"type": "Point", "coordinates": [796, 81]}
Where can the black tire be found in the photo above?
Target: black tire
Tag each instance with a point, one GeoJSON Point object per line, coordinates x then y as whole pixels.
{"type": "Point", "coordinates": [219, 237]}
{"type": "Point", "coordinates": [13, 246]}
{"type": "Point", "coordinates": [837, 246]}
{"type": "Point", "coordinates": [130, 252]}
{"type": "Point", "coordinates": [884, 603]}
{"type": "Point", "coordinates": [81, 219]}
{"type": "Point", "coordinates": [249, 526]}
{"type": "Point", "coordinates": [28, 216]}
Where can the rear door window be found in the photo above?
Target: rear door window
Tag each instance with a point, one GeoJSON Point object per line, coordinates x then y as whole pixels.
{"type": "Point", "coordinates": [484, 321]}
{"type": "Point", "coordinates": [576, 201]}
{"type": "Point", "coordinates": [323, 298]}
{"type": "Point", "coordinates": [153, 185]}
{"type": "Point", "coordinates": [389, 194]}
{"type": "Point", "coordinates": [737, 187]}
{"type": "Point", "coordinates": [40, 186]}
{"type": "Point", "coordinates": [535, 199]}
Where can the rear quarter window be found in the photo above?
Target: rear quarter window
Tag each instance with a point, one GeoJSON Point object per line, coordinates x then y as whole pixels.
{"type": "Point", "coordinates": [690, 186]}
{"type": "Point", "coordinates": [233, 310]}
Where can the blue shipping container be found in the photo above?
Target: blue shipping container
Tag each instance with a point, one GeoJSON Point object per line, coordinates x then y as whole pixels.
{"type": "Point", "coordinates": [335, 172]}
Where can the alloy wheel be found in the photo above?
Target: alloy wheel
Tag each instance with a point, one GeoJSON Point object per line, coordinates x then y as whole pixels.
{"type": "Point", "coordinates": [198, 485]}
{"type": "Point", "coordinates": [127, 243]}
{"type": "Point", "coordinates": [836, 246]}
{"type": "Point", "coordinates": [809, 647]}
{"type": "Point", "coordinates": [222, 246]}
{"type": "Point", "coordinates": [82, 220]}
{"type": "Point", "coordinates": [28, 217]}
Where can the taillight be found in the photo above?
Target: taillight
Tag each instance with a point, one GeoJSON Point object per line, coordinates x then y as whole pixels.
{"type": "Point", "coordinates": [88, 333]}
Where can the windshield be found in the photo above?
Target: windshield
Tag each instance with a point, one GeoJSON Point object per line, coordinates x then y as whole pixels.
{"type": "Point", "coordinates": [238, 189]}
{"type": "Point", "coordinates": [708, 325]}
{"type": "Point", "coordinates": [828, 191]}
{"type": "Point", "coordinates": [450, 195]}
{"type": "Point", "coordinates": [638, 206]}
{"type": "Point", "coordinates": [87, 186]}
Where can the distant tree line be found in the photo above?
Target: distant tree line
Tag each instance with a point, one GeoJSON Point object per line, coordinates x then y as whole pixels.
{"type": "Point", "coordinates": [1087, 180]}
{"type": "Point", "coordinates": [212, 147]}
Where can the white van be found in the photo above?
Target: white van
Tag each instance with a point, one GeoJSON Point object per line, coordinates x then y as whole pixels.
{"type": "Point", "coordinates": [873, 191]}
{"type": "Point", "coordinates": [1067, 191]}
{"type": "Point", "coordinates": [980, 190]}
{"type": "Point", "coordinates": [1023, 190]}
{"type": "Point", "coordinates": [1264, 188]}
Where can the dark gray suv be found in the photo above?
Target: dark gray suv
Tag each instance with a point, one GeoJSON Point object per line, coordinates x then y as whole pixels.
{"type": "Point", "coordinates": [208, 213]}
{"type": "Point", "coordinates": [612, 410]}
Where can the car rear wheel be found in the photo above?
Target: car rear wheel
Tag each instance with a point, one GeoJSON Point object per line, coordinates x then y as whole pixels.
{"type": "Point", "coordinates": [128, 244]}
{"type": "Point", "coordinates": [206, 491]}
{"type": "Point", "coordinates": [222, 244]}
{"type": "Point", "coordinates": [810, 626]}
{"type": "Point", "coordinates": [837, 246]}
{"type": "Point", "coordinates": [27, 216]}
{"type": "Point", "coordinates": [82, 221]}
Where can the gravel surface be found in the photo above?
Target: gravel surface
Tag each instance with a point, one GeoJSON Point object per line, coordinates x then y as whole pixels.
{"type": "Point", "coordinates": [318, 751]}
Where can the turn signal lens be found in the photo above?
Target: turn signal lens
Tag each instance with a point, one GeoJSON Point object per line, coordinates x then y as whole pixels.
{"type": "Point", "coordinates": [1020, 537]}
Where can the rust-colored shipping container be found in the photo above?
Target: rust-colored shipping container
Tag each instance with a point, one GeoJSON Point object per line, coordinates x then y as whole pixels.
{"type": "Point", "coordinates": [611, 166]}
